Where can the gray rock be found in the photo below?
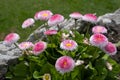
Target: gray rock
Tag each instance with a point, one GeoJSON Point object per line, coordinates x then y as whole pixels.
{"type": "Point", "coordinates": [112, 16]}
{"type": "Point", "coordinates": [117, 11]}
{"type": "Point", "coordinates": [112, 22]}
{"type": "Point", "coordinates": [8, 56]}
{"type": "Point", "coordinates": [39, 32]}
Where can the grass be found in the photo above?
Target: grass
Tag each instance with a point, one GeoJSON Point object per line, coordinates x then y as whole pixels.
{"type": "Point", "coordinates": [14, 12]}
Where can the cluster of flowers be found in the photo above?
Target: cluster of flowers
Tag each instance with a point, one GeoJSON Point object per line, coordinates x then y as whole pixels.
{"type": "Point", "coordinates": [101, 41]}
{"type": "Point", "coordinates": [64, 63]}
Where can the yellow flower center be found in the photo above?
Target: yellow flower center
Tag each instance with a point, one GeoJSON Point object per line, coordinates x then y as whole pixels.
{"type": "Point", "coordinates": [64, 64]}
{"type": "Point", "coordinates": [99, 39]}
{"type": "Point", "coordinates": [25, 45]}
{"type": "Point", "coordinates": [99, 29]}
{"type": "Point", "coordinates": [46, 77]}
{"type": "Point", "coordinates": [45, 14]}
{"type": "Point", "coordinates": [68, 44]}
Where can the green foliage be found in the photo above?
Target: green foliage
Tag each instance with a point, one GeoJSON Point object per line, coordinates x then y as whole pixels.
{"type": "Point", "coordinates": [31, 67]}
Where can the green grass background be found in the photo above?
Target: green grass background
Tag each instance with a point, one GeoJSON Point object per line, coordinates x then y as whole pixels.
{"type": "Point", "coordinates": [14, 12]}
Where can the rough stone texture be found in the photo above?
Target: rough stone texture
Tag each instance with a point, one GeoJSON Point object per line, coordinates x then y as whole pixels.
{"type": "Point", "coordinates": [8, 56]}
{"type": "Point", "coordinates": [114, 29]}
{"type": "Point", "coordinates": [39, 32]}
{"type": "Point", "coordinates": [111, 21]}
{"type": "Point", "coordinates": [113, 16]}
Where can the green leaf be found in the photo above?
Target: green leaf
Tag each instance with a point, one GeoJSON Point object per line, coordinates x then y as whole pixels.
{"type": "Point", "coordinates": [85, 55]}
{"type": "Point", "coordinates": [105, 57]}
{"type": "Point", "coordinates": [62, 52]}
{"type": "Point", "coordinates": [78, 37]}
{"type": "Point", "coordinates": [19, 78]}
{"type": "Point", "coordinates": [9, 75]}
{"type": "Point", "coordinates": [92, 68]}
{"type": "Point", "coordinates": [21, 58]}
{"type": "Point", "coordinates": [20, 69]}
{"type": "Point", "coordinates": [100, 66]}
{"type": "Point", "coordinates": [76, 72]}
{"type": "Point", "coordinates": [84, 49]}
{"type": "Point", "coordinates": [72, 54]}
{"type": "Point", "coordinates": [51, 45]}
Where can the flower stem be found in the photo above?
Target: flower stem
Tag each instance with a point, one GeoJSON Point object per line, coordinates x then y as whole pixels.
{"type": "Point", "coordinates": [17, 46]}
{"type": "Point", "coordinates": [35, 35]}
{"type": "Point", "coordinates": [87, 30]}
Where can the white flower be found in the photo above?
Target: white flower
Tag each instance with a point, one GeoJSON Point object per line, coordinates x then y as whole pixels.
{"type": "Point", "coordinates": [79, 62]}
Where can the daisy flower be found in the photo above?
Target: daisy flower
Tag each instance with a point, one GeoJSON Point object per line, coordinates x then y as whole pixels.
{"type": "Point", "coordinates": [50, 32]}
{"type": "Point", "coordinates": [68, 45]}
{"type": "Point", "coordinates": [39, 47]}
{"type": "Point", "coordinates": [90, 18]}
{"type": "Point", "coordinates": [99, 29]}
{"type": "Point", "coordinates": [110, 48]}
{"type": "Point", "coordinates": [28, 22]}
{"type": "Point", "coordinates": [43, 15]}
{"type": "Point", "coordinates": [64, 64]}
{"type": "Point", "coordinates": [11, 38]}
{"type": "Point", "coordinates": [55, 20]}
{"type": "Point", "coordinates": [25, 45]}
{"type": "Point", "coordinates": [98, 40]}
{"type": "Point", "coordinates": [47, 77]}
{"type": "Point", "coordinates": [76, 15]}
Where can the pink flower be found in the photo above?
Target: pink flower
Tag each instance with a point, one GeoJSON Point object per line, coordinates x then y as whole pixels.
{"type": "Point", "coordinates": [68, 45]}
{"type": "Point", "coordinates": [50, 32]}
{"type": "Point", "coordinates": [25, 45]}
{"type": "Point", "coordinates": [99, 29]}
{"type": "Point", "coordinates": [39, 47]}
{"type": "Point", "coordinates": [76, 15]}
{"type": "Point", "coordinates": [11, 38]}
{"type": "Point", "coordinates": [98, 40]}
{"type": "Point", "coordinates": [64, 64]}
{"type": "Point", "coordinates": [90, 18]}
{"type": "Point", "coordinates": [55, 19]}
{"type": "Point", "coordinates": [28, 22]}
{"type": "Point", "coordinates": [110, 48]}
{"type": "Point", "coordinates": [43, 15]}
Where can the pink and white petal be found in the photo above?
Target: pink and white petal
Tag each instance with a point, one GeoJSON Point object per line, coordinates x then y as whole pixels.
{"type": "Point", "coordinates": [76, 15]}
{"type": "Point", "coordinates": [55, 20]}
{"type": "Point", "coordinates": [28, 22]}
{"type": "Point", "coordinates": [11, 38]}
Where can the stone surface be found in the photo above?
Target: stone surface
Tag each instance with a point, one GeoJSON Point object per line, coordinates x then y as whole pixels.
{"type": "Point", "coordinates": [114, 29]}
{"type": "Point", "coordinates": [8, 55]}
{"type": "Point", "coordinates": [39, 32]}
